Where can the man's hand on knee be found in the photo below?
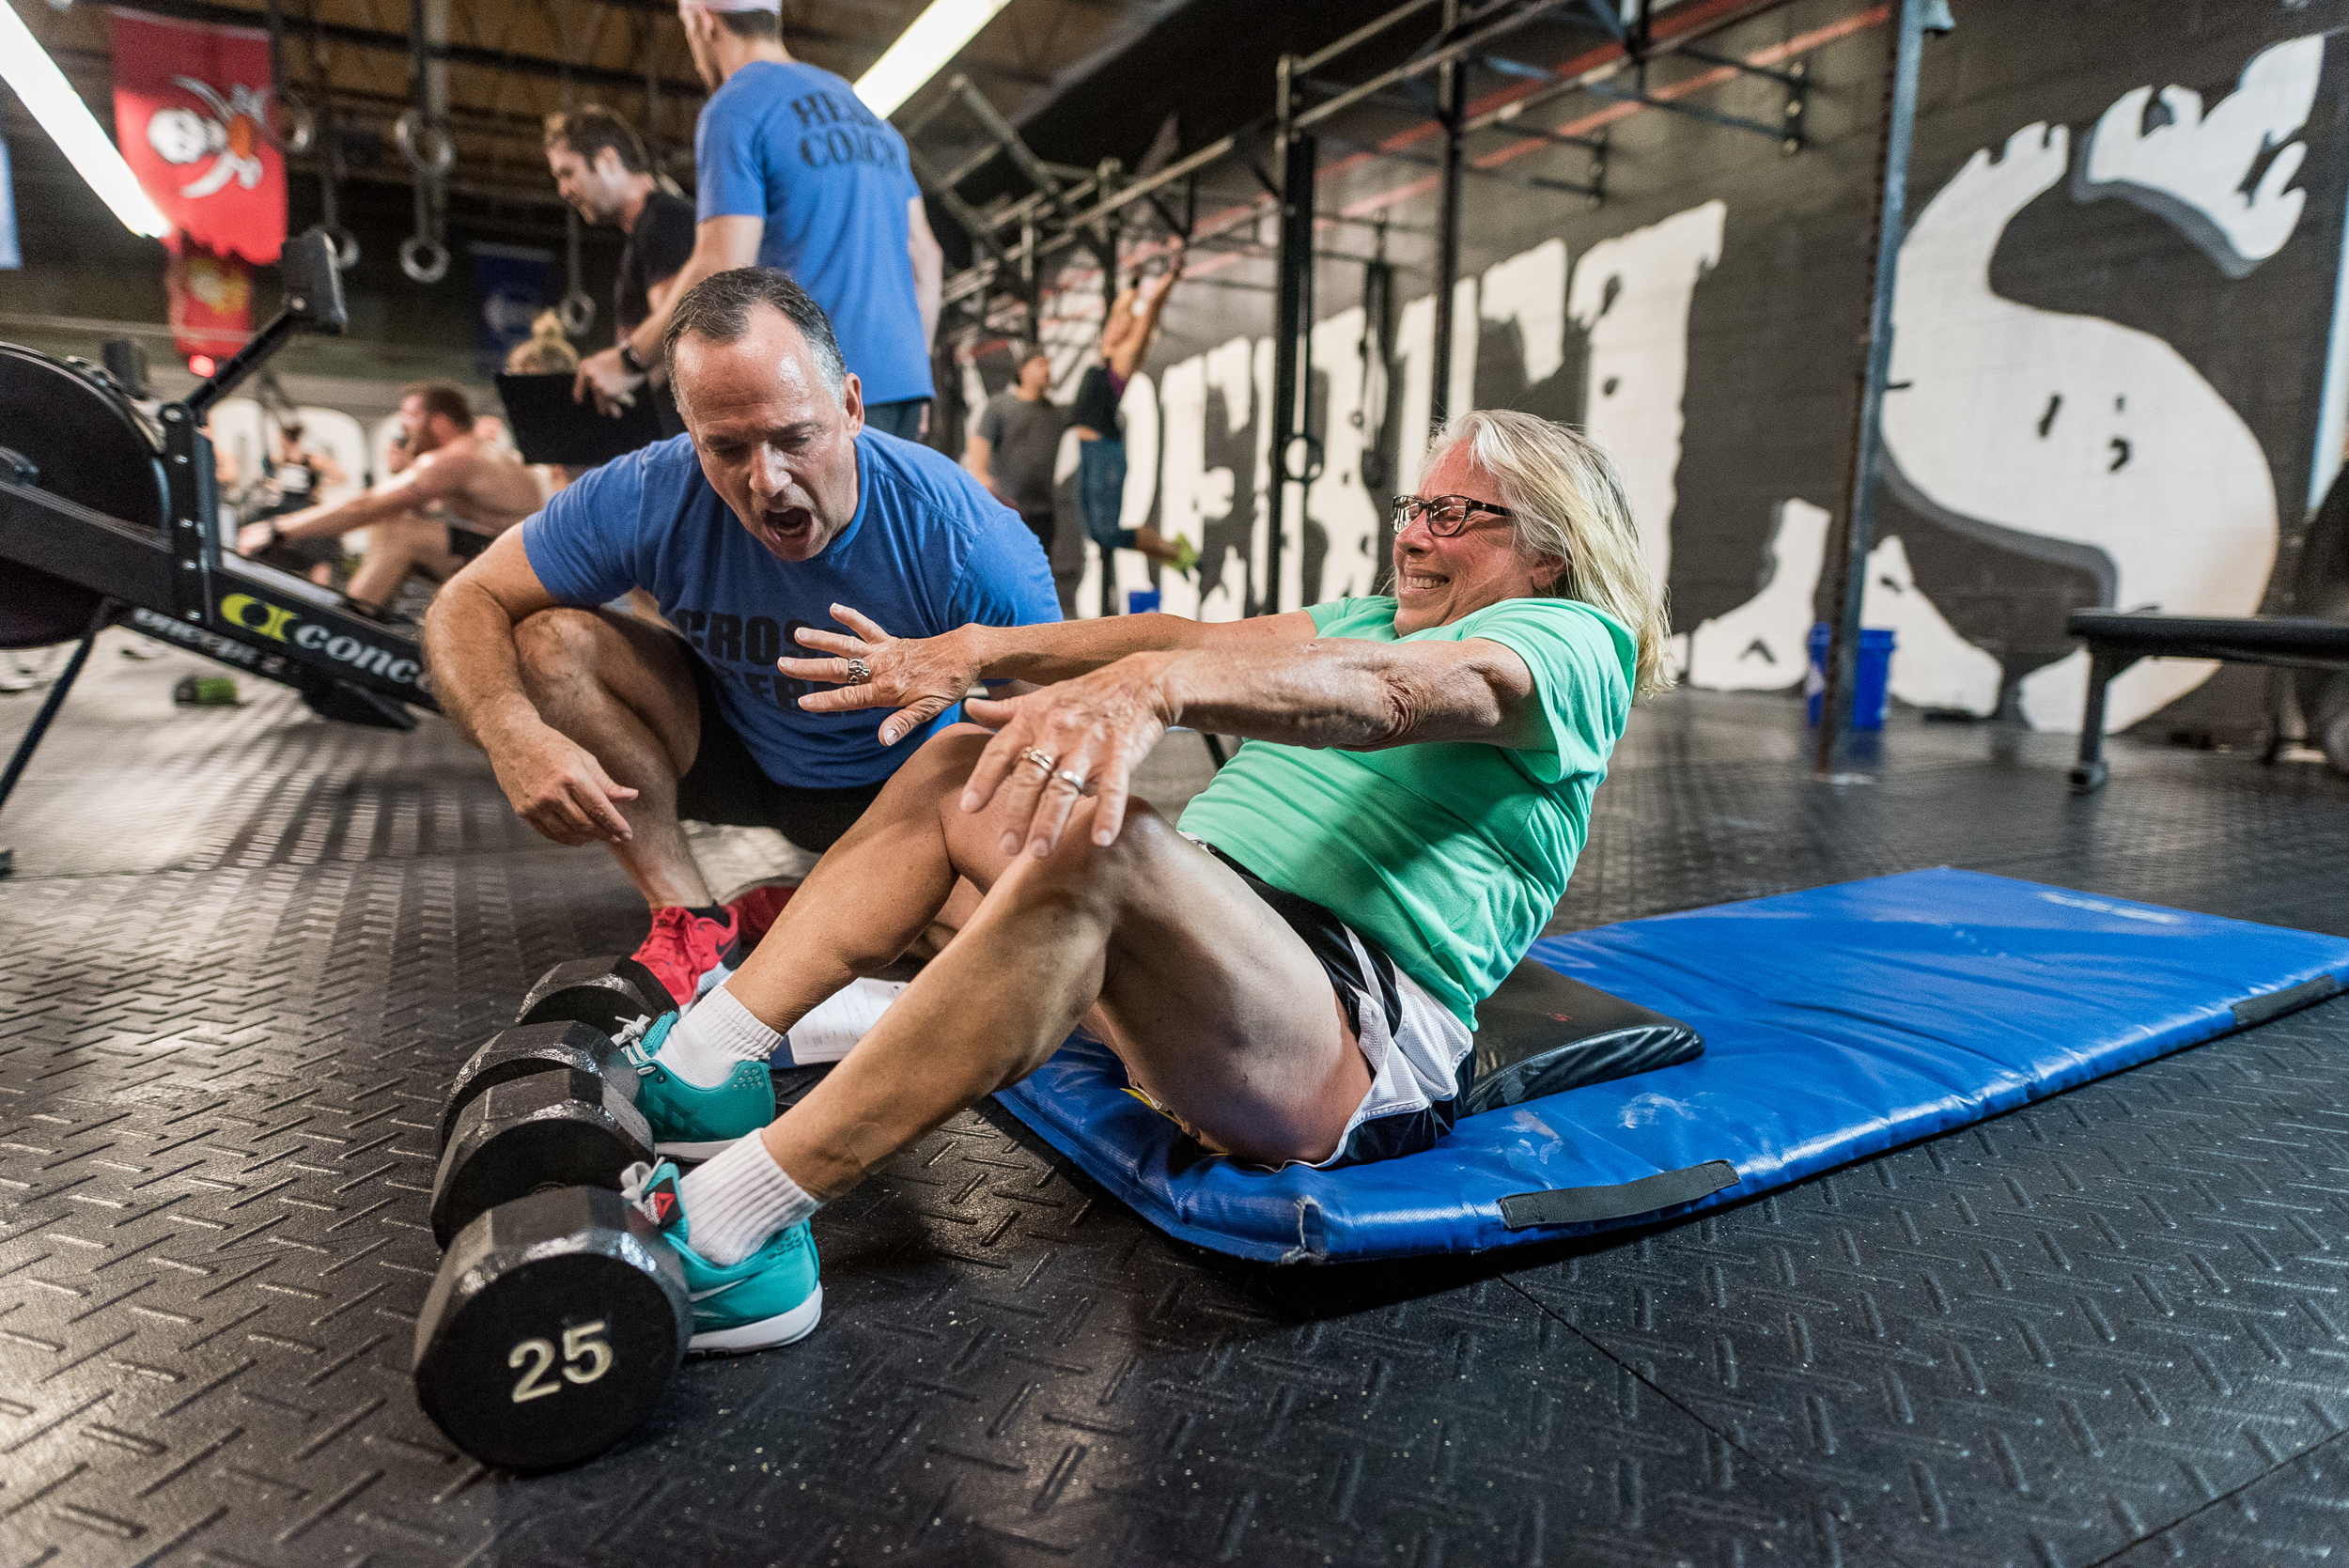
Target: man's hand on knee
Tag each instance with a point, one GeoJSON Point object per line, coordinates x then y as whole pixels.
{"type": "Point", "coordinates": [557, 787]}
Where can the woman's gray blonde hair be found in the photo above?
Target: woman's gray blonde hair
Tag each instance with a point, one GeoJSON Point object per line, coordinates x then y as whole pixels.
{"type": "Point", "coordinates": [1570, 504]}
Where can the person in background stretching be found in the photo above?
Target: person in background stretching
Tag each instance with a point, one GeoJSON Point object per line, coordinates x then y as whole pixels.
{"type": "Point", "coordinates": [797, 174]}
{"type": "Point", "coordinates": [1101, 459]}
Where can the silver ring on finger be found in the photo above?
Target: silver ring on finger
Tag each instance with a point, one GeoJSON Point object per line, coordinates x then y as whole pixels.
{"type": "Point", "coordinates": [1073, 779]}
{"type": "Point", "coordinates": [1040, 759]}
{"type": "Point", "coordinates": [859, 672]}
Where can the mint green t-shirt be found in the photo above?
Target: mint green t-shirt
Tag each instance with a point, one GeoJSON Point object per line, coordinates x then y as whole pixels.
{"type": "Point", "coordinates": [1452, 854]}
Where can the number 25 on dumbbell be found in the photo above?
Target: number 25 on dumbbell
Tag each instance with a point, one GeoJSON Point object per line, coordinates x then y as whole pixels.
{"type": "Point", "coordinates": [583, 1341]}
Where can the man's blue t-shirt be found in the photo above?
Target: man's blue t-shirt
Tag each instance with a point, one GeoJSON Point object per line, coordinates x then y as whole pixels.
{"type": "Point", "coordinates": [927, 551]}
{"type": "Point", "coordinates": [795, 145]}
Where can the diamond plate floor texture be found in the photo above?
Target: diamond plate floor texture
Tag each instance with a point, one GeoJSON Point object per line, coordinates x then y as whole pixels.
{"type": "Point", "coordinates": [246, 948]}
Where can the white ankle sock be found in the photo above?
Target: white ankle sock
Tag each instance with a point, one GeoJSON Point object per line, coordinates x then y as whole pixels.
{"type": "Point", "coordinates": [733, 1203]}
{"type": "Point", "coordinates": [716, 1033]}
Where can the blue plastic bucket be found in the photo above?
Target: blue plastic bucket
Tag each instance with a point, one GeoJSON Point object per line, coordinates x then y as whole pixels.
{"type": "Point", "coordinates": [1868, 684]}
{"type": "Point", "coordinates": [1141, 601]}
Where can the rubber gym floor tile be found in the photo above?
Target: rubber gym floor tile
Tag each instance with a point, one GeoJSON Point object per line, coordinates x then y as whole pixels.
{"type": "Point", "coordinates": [2034, 1339]}
{"type": "Point", "coordinates": [2296, 1515]}
{"type": "Point", "coordinates": [248, 948]}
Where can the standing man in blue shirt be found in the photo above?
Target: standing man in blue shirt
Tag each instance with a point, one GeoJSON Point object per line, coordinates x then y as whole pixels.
{"type": "Point", "coordinates": [795, 173]}
{"type": "Point", "coordinates": [778, 506]}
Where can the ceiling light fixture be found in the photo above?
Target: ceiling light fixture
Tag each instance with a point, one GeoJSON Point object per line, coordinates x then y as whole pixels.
{"type": "Point", "coordinates": [52, 100]}
{"type": "Point", "coordinates": [936, 36]}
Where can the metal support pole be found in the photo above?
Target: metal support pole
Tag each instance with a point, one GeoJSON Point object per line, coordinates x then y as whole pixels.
{"type": "Point", "coordinates": [652, 92]}
{"type": "Point", "coordinates": [1875, 359]}
{"type": "Point", "coordinates": [1450, 113]}
{"type": "Point", "coordinates": [1292, 316]}
{"type": "Point", "coordinates": [2089, 773]}
{"type": "Point", "coordinates": [432, 91]}
{"type": "Point", "coordinates": [48, 713]}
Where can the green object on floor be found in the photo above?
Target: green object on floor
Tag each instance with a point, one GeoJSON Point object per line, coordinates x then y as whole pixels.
{"type": "Point", "coordinates": [205, 692]}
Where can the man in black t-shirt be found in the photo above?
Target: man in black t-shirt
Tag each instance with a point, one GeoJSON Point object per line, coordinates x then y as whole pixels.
{"type": "Point", "coordinates": [601, 168]}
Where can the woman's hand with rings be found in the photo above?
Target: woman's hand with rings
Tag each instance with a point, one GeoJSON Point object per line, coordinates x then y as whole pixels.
{"type": "Point", "coordinates": [919, 677]}
{"type": "Point", "coordinates": [1056, 745]}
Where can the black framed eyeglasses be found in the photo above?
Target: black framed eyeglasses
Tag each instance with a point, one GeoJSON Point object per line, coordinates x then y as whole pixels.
{"type": "Point", "coordinates": [1446, 514]}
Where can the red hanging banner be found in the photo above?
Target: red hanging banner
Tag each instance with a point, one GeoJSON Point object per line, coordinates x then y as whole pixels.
{"type": "Point", "coordinates": [192, 108]}
{"type": "Point", "coordinates": [212, 303]}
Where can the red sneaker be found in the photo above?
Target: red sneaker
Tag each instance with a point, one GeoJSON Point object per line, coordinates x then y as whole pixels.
{"type": "Point", "coordinates": [683, 946]}
{"type": "Point", "coordinates": [756, 910]}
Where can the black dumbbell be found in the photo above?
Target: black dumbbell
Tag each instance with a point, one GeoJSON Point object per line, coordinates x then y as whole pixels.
{"type": "Point", "coordinates": [605, 993]}
{"type": "Point", "coordinates": [538, 1048]}
{"type": "Point", "coordinates": [551, 1329]}
{"type": "Point", "coordinates": [556, 1128]}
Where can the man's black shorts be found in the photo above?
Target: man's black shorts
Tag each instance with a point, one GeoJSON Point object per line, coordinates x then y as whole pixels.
{"type": "Point", "coordinates": [726, 784]}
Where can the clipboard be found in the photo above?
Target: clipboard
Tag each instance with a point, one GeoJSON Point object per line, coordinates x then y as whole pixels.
{"type": "Point", "coordinates": [548, 427]}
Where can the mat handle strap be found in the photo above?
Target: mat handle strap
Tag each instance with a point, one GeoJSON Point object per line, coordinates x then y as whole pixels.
{"type": "Point", "coordinates": [2275, 1004]}
{"type": "Point", "coordinates": [1579, 1205]}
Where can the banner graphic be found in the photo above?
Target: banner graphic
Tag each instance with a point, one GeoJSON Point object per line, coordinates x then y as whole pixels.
{"type": "Point", "coordinates": [192, 113]}
{"type": "Point", "coordinates": [212, 303]}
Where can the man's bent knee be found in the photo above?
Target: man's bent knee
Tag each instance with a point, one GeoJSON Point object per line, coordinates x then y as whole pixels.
{"type": "Point", "coordinates": [559, 642]}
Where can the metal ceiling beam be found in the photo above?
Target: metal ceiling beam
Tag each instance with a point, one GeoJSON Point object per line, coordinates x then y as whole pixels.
{"type": "Point", "coordinates": [1468, 46]}
{"type": "Point", "coordinates": [1659, 46]}
{"type": "Point", "coordinates": [397, 43]}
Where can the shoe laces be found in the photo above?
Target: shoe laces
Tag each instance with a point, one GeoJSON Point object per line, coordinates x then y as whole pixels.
{"type": "Point", "coordinates": [673, 929]}
{"type": "Point", "coordinates": [631, 1039]}
{"type": "Point", "coordinates": [634, 1180]}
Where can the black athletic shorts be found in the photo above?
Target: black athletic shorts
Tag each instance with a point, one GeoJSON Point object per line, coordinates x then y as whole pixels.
{"type": "Point", "coordinates": [465, 544]}
{"type": "Point", "coordinates": [726, 784]}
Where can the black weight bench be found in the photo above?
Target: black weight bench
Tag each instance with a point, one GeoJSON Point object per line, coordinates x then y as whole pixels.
{"type": "Point", "coordinates": [2117, 640]}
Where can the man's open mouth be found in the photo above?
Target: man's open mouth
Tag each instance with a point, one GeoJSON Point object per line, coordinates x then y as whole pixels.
{"type": "Point", "coordinates": [788, 524]}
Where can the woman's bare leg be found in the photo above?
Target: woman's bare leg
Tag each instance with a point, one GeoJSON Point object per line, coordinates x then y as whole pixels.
{"type": "Point", "coordinates": [1215, 1005]}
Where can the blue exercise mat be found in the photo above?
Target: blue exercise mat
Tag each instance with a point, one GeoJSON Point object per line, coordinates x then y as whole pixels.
{"type": "Point", "coordinates": [1838, 1022]}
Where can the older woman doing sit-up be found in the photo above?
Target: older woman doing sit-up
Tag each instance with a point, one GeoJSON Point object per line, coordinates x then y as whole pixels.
{"type": "Point", "coordinates": [1291, 973]}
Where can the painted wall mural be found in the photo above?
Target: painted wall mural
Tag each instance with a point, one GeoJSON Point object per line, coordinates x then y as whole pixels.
{"type": "Point", "coordinates": [2109, 366]}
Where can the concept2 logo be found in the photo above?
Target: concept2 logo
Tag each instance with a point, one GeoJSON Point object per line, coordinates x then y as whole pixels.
{"type": "Point", "coordinates": [279, 623]}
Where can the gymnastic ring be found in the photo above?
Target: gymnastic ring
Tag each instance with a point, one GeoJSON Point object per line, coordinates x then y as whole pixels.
{"type": "Point", "coordinates": [1046, 762]}
{"type": "Point", "coordinates": [412, 130]}
{"type": "Point", "coordinates": [577, 312]}
{"type": "Point", "coordinates": [345, 247]}
{"type": "Point", "coordinates": [1313, 461]}
{"type": "Point", "coordinates": [302, 124]}
{"type": "Point", "coordinates": [424, 258]}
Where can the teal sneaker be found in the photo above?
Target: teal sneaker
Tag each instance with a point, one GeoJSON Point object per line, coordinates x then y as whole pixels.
{"type": "Point", "coordinates": [770, 1298]}
{"type": "Point", "coordinates": [690, 1122]}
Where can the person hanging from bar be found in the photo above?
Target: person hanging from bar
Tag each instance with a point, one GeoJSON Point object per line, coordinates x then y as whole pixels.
{"type": "Point", "coordinates": [1126, 336]}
